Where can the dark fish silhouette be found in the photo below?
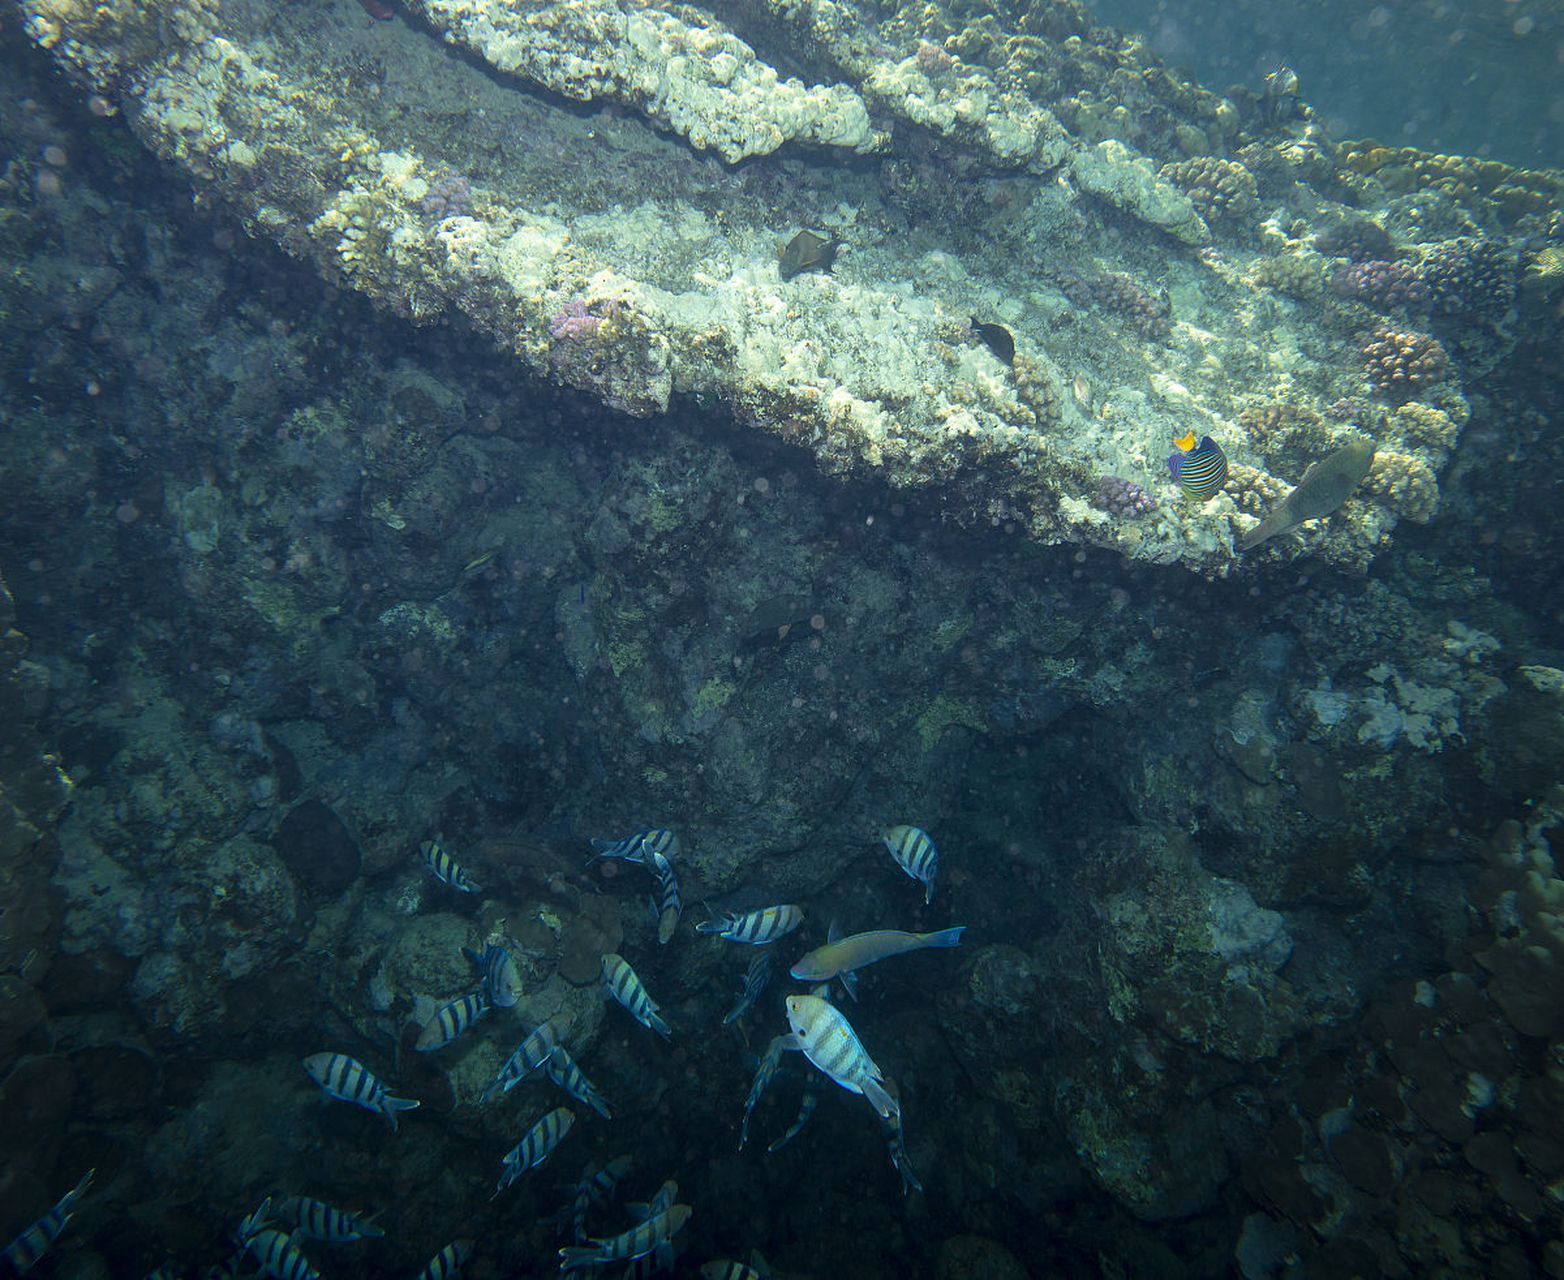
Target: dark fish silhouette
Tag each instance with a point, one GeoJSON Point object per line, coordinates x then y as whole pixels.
{"type": "Point", "coordinates": [997, 339]}
{"type": "Point", "coordinates": [1324, 487]}
{"type": "Point", "coordinates": [808, 251]}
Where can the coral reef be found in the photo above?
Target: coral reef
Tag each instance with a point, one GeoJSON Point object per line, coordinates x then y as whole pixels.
{"type": "Point", "coordinates": [1121, 498]}
{"type": "Point", "coordinates": [1401, 363]}
{"type": "Point", "coordinates": [1219, 189]}
{"type": "Point", "coordinates": [1385, 286]}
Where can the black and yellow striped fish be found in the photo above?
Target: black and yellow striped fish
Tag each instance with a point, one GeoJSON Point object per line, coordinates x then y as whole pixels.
{"type": "Point", "coordinates": [446, 869]}
{"type": "Point", "coordinates": [450, 1021]}
{"type": "Point", "coordinates": [625, 985]}
{"type": "Point", "coordinates": [757, 928]}
{"type": "Point", "coordinates": [276, 1255]}
{"type": "Point", "coordinates": [536, 1145]}
{"type": "Point", "coordinates": [915, 854]}
{"type": "Point", "coordinates": [349, 1080]}
{"type": "Point", "coordinates": [564, 1071]}
{"type": "Point", "coordinates": [448, 1263]}
{"type": "Point", "coordinates": [1200, 471]}
{"type": "Point", "coordinates": [531, 1054]}
{"type": "Point", "coordinates": [317, 1220]}
{"type": "Point", "coordinates": [634, 1243]}
{"type": "Point", "coordinates": [22, 1254]}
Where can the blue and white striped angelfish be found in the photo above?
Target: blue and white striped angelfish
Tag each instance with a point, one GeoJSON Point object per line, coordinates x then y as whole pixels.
{"type": "Point", "coordinates": [915, 854]}
{"type": "Point", "coordinates": [633, 848]}
{"type": "Point", "coordinates": [530, 1054]}
{"type": "Point", "coordinates": [829, 1041]}
{"type": "Point", "coordinates": [757, 928]}
{"type": "Point", "coordinates": [595, 1187]}
{"type": "Point", "coordinates": [1200, 471]}
{"type": "Point", "coordinates": [622, 982]}
{"type": "Point", "coordinates": [446, 869]}
{"type": "Point", "coordinates": [349, 1080]}
{"type": "Point", "coordinates": [501, 979]}
{"type": "Point", "coordinates": [756, 979]}
{"type": "Point", "coordinates": [317, 1220]}
{"type": "Point", "coordinates": [448, 1263]}
{"type": "Point", "coordinates": [564, 1071]}
{"type": "Point", "coordinates": [666, 906]}
{"type": "Point", "coordinates": [640, 1240]}
{"type": "Point", "coordinates": [450, 1020]}
{"type": "Point", "coordinates": [22, 1254]}
{"type": "Point", "coordinates": [535, 1146]}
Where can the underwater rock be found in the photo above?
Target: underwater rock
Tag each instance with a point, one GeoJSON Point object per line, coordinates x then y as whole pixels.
{"type": "Point", "coordinates": [318, 849]}
{"type": "Point", "coordinates": [976, 1258]}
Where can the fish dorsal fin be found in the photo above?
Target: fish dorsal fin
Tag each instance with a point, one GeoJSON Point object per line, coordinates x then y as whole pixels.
{"type": "Point", "coordinates": [834, 932]}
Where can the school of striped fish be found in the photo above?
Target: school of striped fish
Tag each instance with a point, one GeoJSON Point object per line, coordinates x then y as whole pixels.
{"type": "Point", "coordinates": [271, 1239]}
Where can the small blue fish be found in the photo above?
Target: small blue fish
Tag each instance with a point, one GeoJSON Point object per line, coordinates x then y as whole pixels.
{"type": "Point", "coordinates": [450, 1021]}
{"type": "Point", "coordinates": [756, 978]}
{"type": "Point", "coordinates": [349, 1080]}
{"type": "Point", "coordinates": [530, 1054]}
{"type": "Point", "coordinates": [316, 1220]}
{"type": "Point", "coordinates": [757, 928]}
{"type": "Point", "coordinates": [594, 1189]}
{"type": "Point", "coordinates": [563, 1070]}
{"type": "Point", "coordinates": [448, 1263]}
{"type": "Point", "coordinates": [536, 1145]}
{"type": "Point", "coordinates": [23, 1253]}
{"type": "Point", "coordinates": [633, 848]}
{"type": "Point", "coordinates": [624, 984]}
{"type": "Point", "coordinates": [497, 968]}
{"type": "Point", "coordinates": [1199, 472]}
{"type": "Point", "coordinates": [446, 869]}
{"type": "Point", "coordinates": [915, 854]}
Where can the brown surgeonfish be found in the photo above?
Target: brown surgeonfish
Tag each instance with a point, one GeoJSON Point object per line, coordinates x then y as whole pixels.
{"type": "Point", "coordinates": [1324, 487]}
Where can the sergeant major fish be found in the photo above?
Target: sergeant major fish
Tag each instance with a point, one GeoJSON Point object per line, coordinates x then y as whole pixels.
{"type": "Point", "coordinates": [637, 1242]}
{"type": "Point", "coordinates": [828, 1040]}
{"type": "Point", "coordinates": [563, 1071]}
{"type": "Point", "coordinates": [595, 1188]}
{"type": "Point", "coordinates": [536, 1145]}
{"type": "Point", "coordinates": [756, 978]}
{"type": "Point", "coordinates": [23, 1253]}
{"type": "Point", "coordinates": [530, 1054]}
{"type": "Point", "coordinates": [497, 969]}
{"type": "Point", "coordinates": [915, 854]}
{"type": "Point", "coordinates": [349, 1080]}
{"type": "Point", "coordinates": [667, 906]}
{"type": "Point", "coordinates": [446, 869]}
{"type": "Point", "coordinates": [448, 1263]}
{"type": "Point", "coordinates": [622, 982]}
{"type": "Point", "coordinates": [755, 927]}
{"type": "Point", "coordinates": [450, 1020]}
{"type": "Point", "coordinates": [633, 848]}
{"type": "Point", "coordinates": [316, 1220]}
{"type": "Point", "coordinates": [276, 1252]}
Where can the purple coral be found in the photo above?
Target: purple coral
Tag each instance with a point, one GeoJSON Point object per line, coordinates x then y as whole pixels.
{"type": "Point", "coordinates": [1382, 285]}
{"type": "Point", "coordinates": [574, 322]}
{"type": "Point", "coordinates": [450, 197]}
{"type": "Point", "coordinates": [1122, 499]}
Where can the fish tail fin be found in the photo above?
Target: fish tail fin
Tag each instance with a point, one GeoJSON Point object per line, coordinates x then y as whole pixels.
{"type": "Point", "coordinates": [390, 1106]}
{"type": "Point", "coordinates": [656, 1022]}
{"type": "Point", "coordinates": [718, 925]}
{"type": "Point", "coordinates": [928, 893]}
{"type": "Point", "coordinates": [849, 983]}
{"type": "Point", "coordinates": [880, 1099]}
{"type": "Point", "coordinates": [945, 937]}
{"type": "Point", "coordinates": [473, 958]}
{"type": "Point", "coordinates": [572, 1256]}
{"type": "Point", "coordinates": [80, 1189]}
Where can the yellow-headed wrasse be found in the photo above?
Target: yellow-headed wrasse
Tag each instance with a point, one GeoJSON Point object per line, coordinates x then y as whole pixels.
{"type": "Point", "coordinates": [349, 1080]}
{"type": "Point", "coordinates": [633, 848]}
{"type": "Point", "coordinates": [536, 1145]}
{"type": "Point", "coordinates": [450, 1021]}
{"type": "Point", "coordinates": [756, 928]}
{"type": "Point", "coordinates": [317, 1220]}
{"type": "Point", "coordinates": [530, 1054]}
{"type": "Point", "coordinates": [448, 1263]}
{"type": "Point", "coordinates": [22, 1254]}
{"type": "Point", "coordinates": [829, 1041]}
{"type": "Point", "coordinates": [624, 984]}
{"type": "Point", "coordinates": [915, 854]}
{"type": "Point", "coordinates": [501, 979]}
{"type": "Point", "coordinates": [637, 1242]}
{"type": "Point", "coordinates": [1199, 470]}
{"type": "Point", "coordinates": [1324, 487]}
{"type": "Point", "coordinates": [446, 869]}
{"type": "Point", "coordinates": [807, 251]}
{"type": "Point", "coordinates": [595, 1187]}
{"type": "Point", "coordinates": [756, 979]}
{"type": "Point", "coordinates": [564, 1071]}
{"type": "Point", "coordinates": [843, 955]}
{"type": "Point", "coordinates": [667, 906]}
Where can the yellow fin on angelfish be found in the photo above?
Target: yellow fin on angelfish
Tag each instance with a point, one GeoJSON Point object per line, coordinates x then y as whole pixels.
{"type": "Point", "coordinates": [1186, 443]}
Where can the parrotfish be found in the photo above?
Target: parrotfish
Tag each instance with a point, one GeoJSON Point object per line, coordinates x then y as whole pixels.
{"type": "Point", "coordinates": [624, 984]}
{"type": "Point", "coordinates": [450, 1021]}
{"type": "Point", "coordinates": [828, 1040]}
{"type": "Point", "coordinates": [1200, 471]}
{"type": "Point", "coordinates": [563, 1070]}
{"type": "Point", "coordinates": [448, 1263]}
{"type": "Point", "coordinates": [349, 1080]}
{"type": "Point", "coordinates": [446, 869]}
{"type": "Point", "coordinates": [839, 957]}
{"type": "Point", "coordinates": [667, 906]}
{"type": "Point", "coordinates": [637, 1242]}
{"type": "Point", "coordinates": [316, 1220]}
{"type": "Point", "coordinates": [757, 928]}
{"type": "Point", "coordinates": [536, 1145]}
{"type": "Point", "coordinates": [501, 980]}
{"type": "Point", "coordinates": [531, 1054]}
{"type": "Point", "coordinates": [915, 854]}
{"type": "Point", "coordinates": [1324, 487]}
{"type": "Point", "coordinates": [756, 978]}
{"type": "Point", "coordinates": [23, 1253]}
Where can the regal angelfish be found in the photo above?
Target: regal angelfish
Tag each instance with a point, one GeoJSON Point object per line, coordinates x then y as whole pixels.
{"type": "Point", "coordinates": [915, 854]}
{"type": "Point", "coordinates": [536, 1145]}
{"type": "Point", "coordinates": [757, 928]}
{"type": "Point", "coordinates": [349, 1080]}
{"type": "Point", "coordinates": [829, 1041]}
{"type": "Point", "coordinates": [450, 1020]}
{"type": "Point", "coordinates": [446, 869]}
{"type": "Point", "coordinates": [622, 982]}
{"type": "Point", "coordinates": [22, 1254]}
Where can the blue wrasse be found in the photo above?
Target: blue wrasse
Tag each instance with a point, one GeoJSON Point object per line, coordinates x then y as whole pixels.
{"type": "Point", "coordinates": [1199, 471]}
